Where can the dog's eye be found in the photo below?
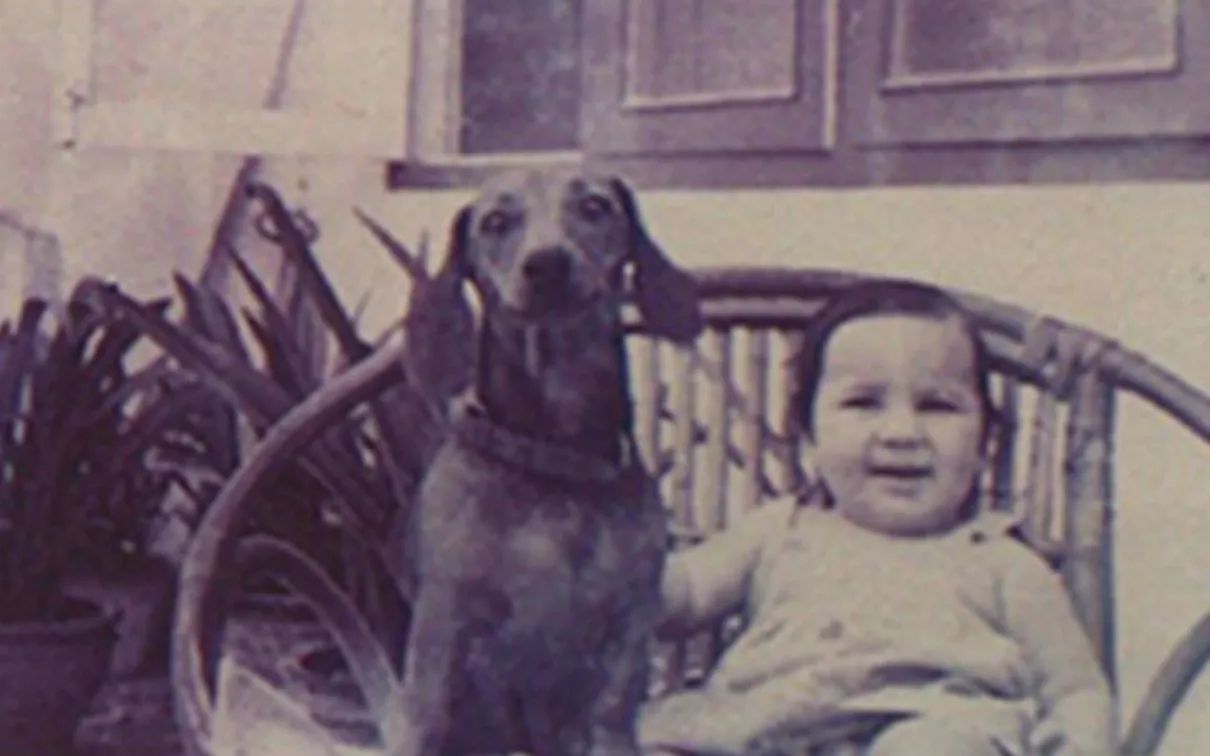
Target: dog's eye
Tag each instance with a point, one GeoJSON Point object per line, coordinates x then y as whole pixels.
{"type": "Point", "coordinates": [496, 222]}
{"type": "Point", "coordinates": [595, 207]}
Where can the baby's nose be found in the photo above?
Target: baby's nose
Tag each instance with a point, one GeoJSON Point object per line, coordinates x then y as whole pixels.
{"type": "Point", "coordinates": [900, 424]}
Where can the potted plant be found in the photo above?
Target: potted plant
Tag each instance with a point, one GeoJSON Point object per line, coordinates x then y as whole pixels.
{"type": "Point", "coordinates": [73, 451]}
{"type": "Point", "coordinates": [251, 385]}
{"type": "Point", "coordinates": [356, 475]}
{"type": "Point", "coordinates": [196, 439]}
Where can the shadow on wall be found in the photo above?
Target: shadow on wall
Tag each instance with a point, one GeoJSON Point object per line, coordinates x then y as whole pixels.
{"type": "Point", "coordinates": [135, 214]}
{"type": "Point", "coordinates": [31, 264]}
{"type": "Point", "coordinates": [26, 49]}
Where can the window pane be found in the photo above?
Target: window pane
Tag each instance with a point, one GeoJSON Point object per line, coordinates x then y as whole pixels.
{"type": "Point", "coordinates": [520, 76]}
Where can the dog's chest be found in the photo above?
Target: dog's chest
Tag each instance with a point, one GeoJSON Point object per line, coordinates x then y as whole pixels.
{"type": "Point", "coordinates": [556, 556]}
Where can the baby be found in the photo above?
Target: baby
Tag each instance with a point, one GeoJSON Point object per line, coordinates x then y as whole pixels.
{"type": "Point", "coordinates": [886, 590]}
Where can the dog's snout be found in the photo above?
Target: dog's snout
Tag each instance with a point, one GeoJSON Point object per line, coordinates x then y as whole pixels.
{"type": "Point", "coordinates": [548, 267]}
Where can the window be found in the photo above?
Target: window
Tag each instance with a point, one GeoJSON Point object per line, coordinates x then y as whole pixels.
{"type": "Point", "coordinates": [544, 80]}
{"type": "Point", "coordinates": [826, 93]}
{"type": "Point", "coordinates": [520, 74]}
{"type": "Point", "coordinates": [496, 81]}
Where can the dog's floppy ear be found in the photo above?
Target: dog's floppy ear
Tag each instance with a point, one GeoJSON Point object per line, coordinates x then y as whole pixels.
{"type": "Point", "coordinates": [666, 295]}
{"type": "Point", "coordinates": [439, 344]}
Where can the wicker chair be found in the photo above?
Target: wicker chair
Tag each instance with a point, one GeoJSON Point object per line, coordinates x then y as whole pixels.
{"type": "Point", "coordinates": [710, 424]}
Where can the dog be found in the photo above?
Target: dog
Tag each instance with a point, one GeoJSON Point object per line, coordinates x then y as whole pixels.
{"type": "Point", "coordinates": [537, 539]}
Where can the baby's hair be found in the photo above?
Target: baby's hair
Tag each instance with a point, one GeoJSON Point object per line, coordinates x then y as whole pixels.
{"type": "Point", "coordinates": [871, 298]}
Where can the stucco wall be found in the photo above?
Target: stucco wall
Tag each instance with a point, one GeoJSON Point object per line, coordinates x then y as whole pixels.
{"type": "Point", "coordinates": [133, 215]}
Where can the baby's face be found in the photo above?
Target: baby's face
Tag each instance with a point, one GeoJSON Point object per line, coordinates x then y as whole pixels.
{"type": "Point", "coordinates": [898, 422]}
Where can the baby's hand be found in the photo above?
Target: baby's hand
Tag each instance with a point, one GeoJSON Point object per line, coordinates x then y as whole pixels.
{"type": "Point", "coordinates": [1047, 739]}
{"type": "Point", "coordinates": [1077, 725]}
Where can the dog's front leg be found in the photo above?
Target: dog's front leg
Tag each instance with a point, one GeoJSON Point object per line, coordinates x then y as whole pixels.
{"type": "Point", "coordinates": [434, 646]}
{"type": "Point", "coordinates": [627, 672]}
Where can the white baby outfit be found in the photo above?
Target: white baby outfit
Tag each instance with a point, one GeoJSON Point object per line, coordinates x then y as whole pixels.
{"type": "Point", "coordinates": [842, 619]}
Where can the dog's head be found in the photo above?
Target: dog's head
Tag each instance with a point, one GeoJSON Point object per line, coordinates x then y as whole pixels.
{"type": "Point", "coordinates": [541, 247]}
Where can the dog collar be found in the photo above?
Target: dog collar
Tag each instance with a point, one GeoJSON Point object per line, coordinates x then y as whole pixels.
{"type": "Point", "coordinates": [473, 428]}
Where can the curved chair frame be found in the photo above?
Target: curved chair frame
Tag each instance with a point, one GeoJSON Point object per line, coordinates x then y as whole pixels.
{"type": "Point", "coordinates": [1073, 372]}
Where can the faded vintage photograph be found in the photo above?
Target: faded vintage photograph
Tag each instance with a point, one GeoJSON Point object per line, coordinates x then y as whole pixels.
{"type": "Point", "coordinates": [604, 377]}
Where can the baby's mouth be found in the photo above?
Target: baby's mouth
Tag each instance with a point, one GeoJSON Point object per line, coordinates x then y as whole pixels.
{"type": "Point", "coordinates": [904, 473]}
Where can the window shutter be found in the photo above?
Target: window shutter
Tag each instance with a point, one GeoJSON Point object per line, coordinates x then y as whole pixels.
{"type": "Point", "coordinates": [263, 77]}
{"type": "Point", "coordinates": [1006, 72]}
{"type": "Point", "coordinates": [685, 76]}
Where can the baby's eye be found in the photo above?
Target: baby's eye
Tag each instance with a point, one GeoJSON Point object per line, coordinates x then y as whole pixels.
{"type": "Point", "coordinates": [861, 403]}
{"type": "Point", "coordinates": [939, 404]}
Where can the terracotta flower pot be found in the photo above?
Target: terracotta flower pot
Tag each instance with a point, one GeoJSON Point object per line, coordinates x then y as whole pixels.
{"type": "Point", "coordinates": [50, 672]}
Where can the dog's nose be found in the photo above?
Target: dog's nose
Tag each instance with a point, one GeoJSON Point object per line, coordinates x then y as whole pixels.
{"type": "Point", "coordinates": [548, 267]}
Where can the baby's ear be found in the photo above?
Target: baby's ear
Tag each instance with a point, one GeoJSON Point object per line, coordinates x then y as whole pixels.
{"type": "Point", "coordinates": [806, 469]}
